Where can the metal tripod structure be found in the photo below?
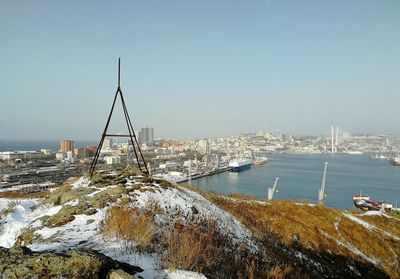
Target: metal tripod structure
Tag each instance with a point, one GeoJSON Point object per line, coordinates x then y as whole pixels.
{"type": "Point", "coordinates": [132, 136]}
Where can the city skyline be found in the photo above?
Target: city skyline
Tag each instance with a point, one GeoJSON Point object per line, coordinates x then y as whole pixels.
{"type": "Point", "coordinates": [199, 69]}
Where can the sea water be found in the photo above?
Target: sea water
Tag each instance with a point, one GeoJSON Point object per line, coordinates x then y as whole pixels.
{"type": "Point", "coordinates": [301, 175]}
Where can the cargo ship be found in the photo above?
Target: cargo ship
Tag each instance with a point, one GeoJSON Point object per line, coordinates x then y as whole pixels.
{"type": "Point", "coordinates": [365, 203]}
{"type": "Point", "coordinates": [260, 161]}
{"type": "Point", "coordinates": [240, 164]}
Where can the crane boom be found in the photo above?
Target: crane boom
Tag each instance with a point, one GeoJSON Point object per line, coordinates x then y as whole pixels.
{"type": "Point", "coordinates": [272, 190]}
{"type": "Point", "coordinates": [321, 194]}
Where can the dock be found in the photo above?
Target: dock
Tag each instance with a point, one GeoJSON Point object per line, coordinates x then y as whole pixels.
{"type": "Point", "coordinates": [197, 176]}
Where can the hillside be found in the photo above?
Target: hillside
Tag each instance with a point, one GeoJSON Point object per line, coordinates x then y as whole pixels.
{"type": "Point", "coordinates": [154, 229]}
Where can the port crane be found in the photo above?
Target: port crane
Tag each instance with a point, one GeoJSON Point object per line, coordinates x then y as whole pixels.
{"type": "Point", "coordinates": [210, 161]}
{"type": "Point", "coordinates": [272, 190]}
{"type": "Point", "coordinates": [321, 193]}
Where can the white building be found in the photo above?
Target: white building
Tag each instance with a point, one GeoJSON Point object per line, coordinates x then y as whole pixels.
{"type": "Point", "coordinates": [112, 160]}
{"type": "Point", "coordinates": [69, 156]}
{"type": "Point", "coordinates": [60, 156]}
{"type": "Point", "coordinates": [108, 143]}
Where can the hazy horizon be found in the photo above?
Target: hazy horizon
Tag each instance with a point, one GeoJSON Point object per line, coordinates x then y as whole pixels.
{"type": "Point", "coordinates": [199, 69]}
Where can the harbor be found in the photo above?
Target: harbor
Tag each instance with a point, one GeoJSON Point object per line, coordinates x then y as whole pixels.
{"type": "Point", "coordinates": [300, 179]}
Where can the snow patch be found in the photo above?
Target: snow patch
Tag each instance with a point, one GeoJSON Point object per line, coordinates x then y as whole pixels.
{"type": "Point", "coordinates": [26, 213]}
{"type": "Point", "coordinates": [81, 182]}
{"type": "Point", "coordinates": [186, 202]}
{"type": "Point", "coordinates": [370, 227]}
{"type": "Point", "coordinates": [180, 274]}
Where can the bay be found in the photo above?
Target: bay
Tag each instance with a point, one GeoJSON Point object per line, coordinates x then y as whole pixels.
{"type": "Point", "coordinates": [301, 175]}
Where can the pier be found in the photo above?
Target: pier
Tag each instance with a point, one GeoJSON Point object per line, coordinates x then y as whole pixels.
{"type": "Point", "coordinates": [197, 176]}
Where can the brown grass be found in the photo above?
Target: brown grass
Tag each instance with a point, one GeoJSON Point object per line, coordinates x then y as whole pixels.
{"type": "Point", "coordinates": [192, 248]}
{"type": "Point", "coordinates": [391, 225]}
{"type": "Point", "coordinates": [308, 226]}
{"type": "Point", "coordinates": [132, 226]}
{"type": "Point", "coordinates": [203, 248]}
{"type": "Point", "coordinates": [15, 195]}
{"type": "Point", "coordinates": [279, 272]}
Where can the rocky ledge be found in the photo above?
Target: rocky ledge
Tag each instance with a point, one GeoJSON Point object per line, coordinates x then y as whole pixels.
{"type": "Point", "coordinates": [21, 262]}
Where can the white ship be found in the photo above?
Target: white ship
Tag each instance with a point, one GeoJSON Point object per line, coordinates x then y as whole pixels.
{"type": "Point", "coordinates": [238, 165]}
{"type": "Point", "coordinates": [353, 152]}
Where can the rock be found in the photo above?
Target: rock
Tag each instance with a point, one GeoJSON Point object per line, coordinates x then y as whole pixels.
{"type": "Point", "coordinates": [120, 274]}
{"type": "Point", "coordinates": [21, 262]}
{"type": "Point", "coordinates": [194, 210]}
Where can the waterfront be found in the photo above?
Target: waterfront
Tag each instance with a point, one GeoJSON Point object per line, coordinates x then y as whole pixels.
{"type": "Point", "coordinates": [300, 179]}
{"type": "Point", "coordinates": [31, 145]}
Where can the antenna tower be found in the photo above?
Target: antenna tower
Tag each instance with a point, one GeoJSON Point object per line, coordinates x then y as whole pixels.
{"type": "Point", "coordinates": [131, 133]}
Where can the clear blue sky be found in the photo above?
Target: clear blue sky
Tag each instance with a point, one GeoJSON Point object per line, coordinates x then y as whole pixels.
{"type": "Point", "coordinates": [199, 68]}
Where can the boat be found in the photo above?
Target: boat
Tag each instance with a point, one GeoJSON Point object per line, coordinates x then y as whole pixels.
{"type": "Point", "coordinates": [238, 165]}
{"type": "Point", "coordinates": [395, 160]}
{"type": "Point", "coordinates": [353, 152]}
{"type": "Point", "coordinates": [380, 157]}
{"type": "Point", "coordinates": [259, 161]}
{"type": "Point", "coordinates": [365, 203]}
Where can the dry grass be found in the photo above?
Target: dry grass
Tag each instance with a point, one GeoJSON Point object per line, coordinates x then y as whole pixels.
{"type": "Point", "coordinates": [374, 244]}
{"type": "Point", "coordinates": [193, 248]}
{"type": "Point", "coordinates": [11, 206]}
{"type": "Point", "coordinates": [391, 225]}
{"type": "Point", "coordinates": [67, 214]}
{"type": "Point", "coordinates": [203, 248]}
{"type": "Point", "coordinates": [15, 195]}
{"type": "Point", "coordinates": [279, 272]}
{"type": "Point", "coordinates": [308, 226]}
{"type": "Point", "coordinates": [241, 196]}
{"type": "Point", "coordinates": [65, 193]}
{"type": "Point", "coordinates": [27, 236]}
{"type": "Point", "coordinates": [132, 226]}
{"type": "Point", "coordinates": [109, 195]}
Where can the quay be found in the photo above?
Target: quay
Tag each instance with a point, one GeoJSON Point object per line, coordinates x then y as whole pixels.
{"type": "Point", "coordinates": [197, 176]}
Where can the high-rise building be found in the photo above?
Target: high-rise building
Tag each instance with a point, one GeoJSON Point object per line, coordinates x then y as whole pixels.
{"type": "Point", "coordinates": [108, 143]}
{"type": "Point", "coordinates": [146, 135]}
{"type": "Point", "coordinates": [67, 145]}
{"type": "Point", "coordinates": [139, 138]}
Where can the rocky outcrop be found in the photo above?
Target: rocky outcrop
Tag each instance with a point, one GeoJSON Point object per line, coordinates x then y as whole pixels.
{"type": "Point", "coordinates": [21, 262]}
{"type": "Point", "coordinates": [120, 274]}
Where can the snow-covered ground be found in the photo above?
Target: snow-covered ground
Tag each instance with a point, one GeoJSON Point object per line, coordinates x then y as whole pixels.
{"type": "Point", "coordinates": [21, 217]}
{"type": "Point", "coordinates": [191, 204]}
{"type": "Point", "coordinates": [84, 231]}
{"type": "Point", "coordinates": [177, 203]}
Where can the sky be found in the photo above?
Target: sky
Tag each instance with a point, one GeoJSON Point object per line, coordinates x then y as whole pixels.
{"type": "Point", "coordinates": [194, 69]}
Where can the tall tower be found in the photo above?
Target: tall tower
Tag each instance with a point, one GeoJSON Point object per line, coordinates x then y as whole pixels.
{"type": "Point", "coordinates": [332, 146]}
{"type": "Point", "coordinates": [131, 133]}
{"type": "Point", "coordinates": [337, 138]}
